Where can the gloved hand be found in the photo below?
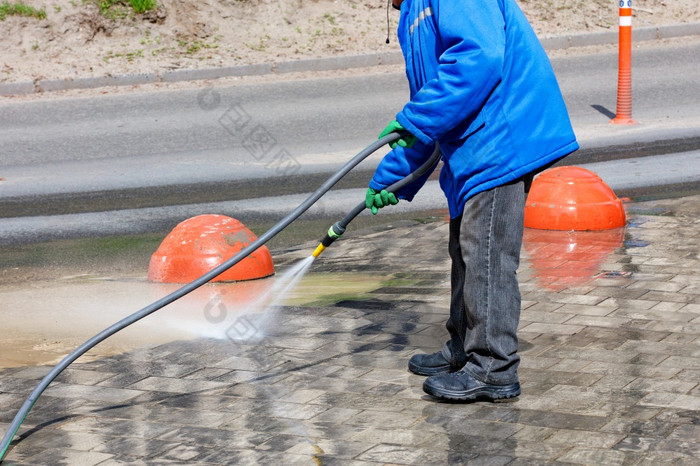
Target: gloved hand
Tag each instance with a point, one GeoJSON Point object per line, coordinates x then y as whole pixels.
{"type": "Point", "coordinates": [376, 200]}
{"type": "Point", "coordinates": [406, 141]}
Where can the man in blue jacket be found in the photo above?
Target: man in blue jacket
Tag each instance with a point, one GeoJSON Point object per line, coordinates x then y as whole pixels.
{"type": "Point", "coordinates": [483, 89]}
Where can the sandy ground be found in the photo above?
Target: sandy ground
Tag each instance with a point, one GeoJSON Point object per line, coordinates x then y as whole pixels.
{"type": "Point", "coordinates": [76, 40]}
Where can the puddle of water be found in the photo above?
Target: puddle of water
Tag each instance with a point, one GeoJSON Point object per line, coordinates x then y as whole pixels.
{"type": "Point", "coordinates": [56, 295]}
{"type": "Point", "coordinates": [229, 315]}
{"type": "Point", "coordinates": [563, 259]}
{"type": "Point", "coordinates": [635, 243]}
{"type": "Point", "coordinates": [41, 322]}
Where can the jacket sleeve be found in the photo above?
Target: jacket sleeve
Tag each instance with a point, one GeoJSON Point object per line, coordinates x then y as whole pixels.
{"type": "Point", "coordinates": [472, 35]}
{"type": "Point", "coordinates": [399, 163]}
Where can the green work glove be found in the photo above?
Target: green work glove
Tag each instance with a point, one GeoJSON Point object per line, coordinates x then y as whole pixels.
{"type": "Point", "coordinates": [407, 140]}
{"type": "Point", "coordinates": [376, 200]}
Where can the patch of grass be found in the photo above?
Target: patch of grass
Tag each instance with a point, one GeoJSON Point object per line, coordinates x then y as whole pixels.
{"type": "Point", "coordinates": [195, 46]}
{"type": "Point", "coordinates": [142, 6]}
{"type": "Point", "coordinates": [148, 39]}
{"type": "Point", "coordinates": [159, 51]}
{"type": "Point", "coordinates": [329, 18]}
{"type": "Point", "coordinates": [261, 46]}
{"type": "Point", "coordinates": [20, 9]}
{"type": "Point", "coordinates": [131, 55]}
{"type": "Point", "coordinates": [111, 9]}
{"type": "Point", "coordinates": [118, 9]}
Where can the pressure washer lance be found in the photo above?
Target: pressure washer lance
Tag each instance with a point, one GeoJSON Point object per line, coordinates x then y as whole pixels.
{"type": "Point", "coordinates": [338, 228]}
{"type": "Point", "coordinates": [215, 272]}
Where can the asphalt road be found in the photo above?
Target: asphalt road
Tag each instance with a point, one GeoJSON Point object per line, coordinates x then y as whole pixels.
{"type": "Point", "coordinates": [229, 143]}
{"type": "Point", "coordinates": [316, 115]}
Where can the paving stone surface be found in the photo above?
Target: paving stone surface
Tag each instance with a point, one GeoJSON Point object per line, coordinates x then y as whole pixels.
{"type": "Point", "coordinates": [609, 338]}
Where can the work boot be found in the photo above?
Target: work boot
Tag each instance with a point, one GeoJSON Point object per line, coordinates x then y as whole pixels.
{"type": "Point", "coordinates": [461, 386]}
{"type": "Point", "coordinates": [430, 364]}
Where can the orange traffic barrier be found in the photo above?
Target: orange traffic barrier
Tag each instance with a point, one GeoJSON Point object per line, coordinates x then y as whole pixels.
{"type": "Point", "coordinates": [623, 115]}
{"type": "Point", "coordinates": [201, 243]}
{"type": "Point", "coordinates": [572, 198]}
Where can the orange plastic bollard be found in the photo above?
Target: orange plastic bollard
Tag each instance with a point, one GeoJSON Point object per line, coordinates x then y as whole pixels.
{"type": "Point", "coordinates": [572, 198]}
{"type": "Point", "coordinates": [201, 243]}
{"type": "Point", "coordinates": [623, 115]}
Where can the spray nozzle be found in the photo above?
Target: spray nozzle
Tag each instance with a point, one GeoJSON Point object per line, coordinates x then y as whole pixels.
{"type": "Point", "coordinates": [334, 232]}
{"type": "Point", "coordinates": [339, 227]}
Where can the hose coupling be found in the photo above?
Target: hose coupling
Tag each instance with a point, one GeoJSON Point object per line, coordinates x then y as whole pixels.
{"type": "Point", "coordinates": [334, 232]}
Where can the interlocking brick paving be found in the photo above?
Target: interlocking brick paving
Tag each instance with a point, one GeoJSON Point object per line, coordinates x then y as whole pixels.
{"type": "Point", "coordinates": [610, 345]}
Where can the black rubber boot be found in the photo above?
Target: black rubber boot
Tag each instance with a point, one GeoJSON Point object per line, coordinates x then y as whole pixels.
{"type": "Point", "coordinates": [461, 386]}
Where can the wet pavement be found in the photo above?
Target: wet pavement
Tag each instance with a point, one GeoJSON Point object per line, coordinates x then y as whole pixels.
{"type": "Point", "coordinates": [610, 371]}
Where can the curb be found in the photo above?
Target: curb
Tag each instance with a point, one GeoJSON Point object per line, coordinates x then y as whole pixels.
{"type": "Point", "coordinates": [214, 191]}
{"type": "Point", "coordinates": [321, 64]}
{"type": "Point", "coordinates": [611, 37]}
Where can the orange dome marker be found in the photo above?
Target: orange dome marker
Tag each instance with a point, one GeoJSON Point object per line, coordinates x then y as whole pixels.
{"type": "Point", "coordinates": [572, 198]}
{"type": "Point", "coordinates": [201, 243]}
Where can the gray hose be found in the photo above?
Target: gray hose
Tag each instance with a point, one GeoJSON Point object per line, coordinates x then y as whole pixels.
{"type": "Point", "coordinates": [420, 171]}
{"type": "Point", "coordinates": [338, 228]}
{"type": "Point", "coordinates": [179, 293]}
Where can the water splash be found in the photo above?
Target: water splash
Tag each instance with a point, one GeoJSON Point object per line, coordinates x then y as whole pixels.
{"type": "Point", "coordinates": [288, 281]}
{"type": "Point", "coordinates": [265, 309]}
{"type": "Point", "coordinates": [226, 311]}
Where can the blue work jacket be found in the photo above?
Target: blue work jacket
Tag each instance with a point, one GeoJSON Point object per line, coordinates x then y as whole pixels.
{"type": "Point", "coordinates": [481, 87]}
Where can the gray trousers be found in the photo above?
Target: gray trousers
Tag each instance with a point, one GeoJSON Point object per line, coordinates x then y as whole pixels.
{"type": "Point", "coordinates": [485, 307]}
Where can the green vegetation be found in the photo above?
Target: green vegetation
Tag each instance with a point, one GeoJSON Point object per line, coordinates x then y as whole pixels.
{"type": "Point", "coordinates": [262, 45]}
{"type": "Point", "coordinates": [142, 6]}
{"type": "Point", "coordinates": [130, 56]}
{"type": "Point", "coordinates": [20, 9]}
{"type": "Point", "coordinates": [111, 9]}
{"type": "Point", "coordinates": [117, 9]}
{"type": "Point", "coordinates": [196, 45]}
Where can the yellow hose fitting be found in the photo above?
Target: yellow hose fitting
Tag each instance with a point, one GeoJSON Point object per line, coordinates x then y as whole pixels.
{"type": "Point", "coordinates": [318, 250]}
